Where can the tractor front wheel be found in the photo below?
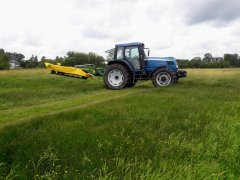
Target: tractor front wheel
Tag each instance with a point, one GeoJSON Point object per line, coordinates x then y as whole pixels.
{"type": "Point", "coordinates": [175, 81]}
{"type": "Point", "coordinates": [162, 77]}
{"type": "Point", "coordinates": [116, 76]}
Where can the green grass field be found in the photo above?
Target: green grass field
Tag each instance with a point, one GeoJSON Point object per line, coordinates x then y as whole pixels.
{"type": "Point", "coordinates": [55, 127]}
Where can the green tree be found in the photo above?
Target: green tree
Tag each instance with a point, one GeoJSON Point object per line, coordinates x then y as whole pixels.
{"type": "Point", "coordinates": [59, 59]}
{"type": "Point", "coordinates": [4, 60]}
{"type": "Point", "coordinates": [15, 56]}
{"type": "Point", "coordinates": [95, 59]}
{"type": "Point", "coordinates": [183, 63]}
{"type": "Point", "coordinates": [208, 57]}
{"type": "Point", "coordinates": [41, 63]}
{"type": "Point", "coordinates": [195, 63]}
{"type": "Point", "coordinates": [76, 58]}
{"type": "Point", "coordinates": [233, 59]}
{"type": "Point", "coordinates": [31, 63]}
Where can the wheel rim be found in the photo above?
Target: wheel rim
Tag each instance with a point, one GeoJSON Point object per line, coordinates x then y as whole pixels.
{"type": "Point", "coordinates": [163, 79]}
{"type": "Point", "coordinates": [115, 77]}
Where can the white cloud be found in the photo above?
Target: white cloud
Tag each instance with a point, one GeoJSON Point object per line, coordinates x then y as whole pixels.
{"type": "Point", "coordinates": [170, 28]}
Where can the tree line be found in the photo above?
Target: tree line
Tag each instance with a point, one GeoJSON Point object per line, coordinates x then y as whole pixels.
{"type": "Point", "coordinates": [77, 58]}
{"type": "Point", "coordinates": [208, 61]}
{"type": "Point", "coordinates": [71, 59]}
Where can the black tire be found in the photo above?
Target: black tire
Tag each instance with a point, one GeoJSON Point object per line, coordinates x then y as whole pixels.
{"type": "Point", "coordinates": [167, 77]}
{"type": "Point", "coordinates": [175, 81]}
{"type": "Point", "coordinates": [116, 83]}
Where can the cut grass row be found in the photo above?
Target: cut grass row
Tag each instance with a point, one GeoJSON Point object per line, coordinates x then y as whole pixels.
{"type": "Point", "coordinates": [186, 131]}
{"type": "Point", "coordinates": [18, 109]}
{"type": "Point", "coordinates": [23, 88]}
{"type": "Point", "coordinates": [19, 115]}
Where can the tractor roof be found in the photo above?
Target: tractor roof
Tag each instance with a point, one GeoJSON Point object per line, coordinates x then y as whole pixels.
{"type": "Point", "coordinates": [130, 44]}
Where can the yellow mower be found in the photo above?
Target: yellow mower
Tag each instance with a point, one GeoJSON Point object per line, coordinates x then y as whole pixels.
{"type": "Point", "coordinates": [68, 71]}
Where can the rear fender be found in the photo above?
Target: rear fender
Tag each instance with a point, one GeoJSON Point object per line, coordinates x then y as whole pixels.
{"type": "Point", "coordinates": [125, 63]}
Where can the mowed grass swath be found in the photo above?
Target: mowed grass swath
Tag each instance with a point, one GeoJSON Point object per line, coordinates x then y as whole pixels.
{"type": "Point", "coordinates": [72, 128]}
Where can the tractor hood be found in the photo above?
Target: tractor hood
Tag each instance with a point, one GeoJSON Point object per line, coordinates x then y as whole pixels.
{"type": "Point", "coordinates": [154, 62]}
{"type": "Point", "coordinates": [161, 59]}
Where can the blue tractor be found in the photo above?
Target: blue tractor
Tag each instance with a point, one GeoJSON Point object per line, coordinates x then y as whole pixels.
{"type": "Point", "coordinates": [130, 63]}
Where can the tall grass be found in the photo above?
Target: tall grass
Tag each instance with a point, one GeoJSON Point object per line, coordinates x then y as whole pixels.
{"type": "Point", "coordinates": [187, 131]}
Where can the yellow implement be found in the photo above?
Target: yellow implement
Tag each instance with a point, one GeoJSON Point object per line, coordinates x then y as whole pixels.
{"type": "Point", "coordinates": [64, 70]}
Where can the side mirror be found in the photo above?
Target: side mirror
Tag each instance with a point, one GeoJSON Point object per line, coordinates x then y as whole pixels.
{"type": "Point", "coordinates": [148, 52]}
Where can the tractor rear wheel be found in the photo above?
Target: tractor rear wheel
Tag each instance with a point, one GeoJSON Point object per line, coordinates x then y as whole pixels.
{"type": "Point", "coordinates": [163, 77]}
{"type": "Point", "coordinates": [116, 76]}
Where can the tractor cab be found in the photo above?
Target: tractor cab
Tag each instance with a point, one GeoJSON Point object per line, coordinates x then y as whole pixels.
{"type": "Point", "coordinates": [131, 52]}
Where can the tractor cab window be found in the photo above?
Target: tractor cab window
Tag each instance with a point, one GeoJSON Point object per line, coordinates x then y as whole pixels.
{"type": "Point", "coordinates": [132, 55]}
{"type": "Point", "coordinates": [120, 53]}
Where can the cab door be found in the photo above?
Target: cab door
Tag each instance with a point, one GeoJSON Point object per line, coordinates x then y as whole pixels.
{"type": "Point", "coordinates": [132, 55]}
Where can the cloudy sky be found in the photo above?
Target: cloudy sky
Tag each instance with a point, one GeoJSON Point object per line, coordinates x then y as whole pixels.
{"type": "Point", "coordinates": [179, 28]}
